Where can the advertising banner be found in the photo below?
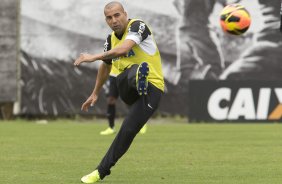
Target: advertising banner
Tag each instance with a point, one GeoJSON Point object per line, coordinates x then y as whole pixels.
{"type": "Point", "coordinates": [235, 101]}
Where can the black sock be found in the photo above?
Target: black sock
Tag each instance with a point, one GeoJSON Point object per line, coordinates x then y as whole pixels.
{"type": "Point", "coordinates": [111, 115]}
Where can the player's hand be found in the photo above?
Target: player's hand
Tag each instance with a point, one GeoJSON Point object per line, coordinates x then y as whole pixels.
{"type": "Point", "coordinates": [83, 58]}
{"type": "Point", "coordinates": [89, 102]}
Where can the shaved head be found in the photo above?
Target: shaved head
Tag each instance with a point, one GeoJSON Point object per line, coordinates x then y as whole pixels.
{"type": "Point", "coordinates": [116, 17]}
{"type": "Point", "coordinates": [113, 4]}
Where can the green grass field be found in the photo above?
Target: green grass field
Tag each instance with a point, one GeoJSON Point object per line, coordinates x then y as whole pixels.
{"type": "Point", "coordinates": [172, 151]}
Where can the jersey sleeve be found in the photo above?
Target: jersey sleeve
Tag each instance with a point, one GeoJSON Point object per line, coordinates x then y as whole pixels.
{"type": "Point", "coordinates": [107, 47]}
{"type": "Point", "coordinates": [138, 31]}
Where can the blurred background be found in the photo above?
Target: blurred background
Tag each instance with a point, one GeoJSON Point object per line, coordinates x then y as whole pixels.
{"type": "Point", "coordinates": [41, 39]}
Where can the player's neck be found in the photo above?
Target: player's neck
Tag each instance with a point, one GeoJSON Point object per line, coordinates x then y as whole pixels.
{"type": "Point", "coordinates": [120, 35]}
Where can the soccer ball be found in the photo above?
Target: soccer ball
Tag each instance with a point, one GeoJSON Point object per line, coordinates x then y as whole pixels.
{"type": "Point", "coordinates": [235, 19]}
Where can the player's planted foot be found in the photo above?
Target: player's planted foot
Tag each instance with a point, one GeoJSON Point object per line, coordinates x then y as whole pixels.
{"type": "Point", "coordinates": [143, 129]}
{"type": "Point", "coordinates": [91, 178]}
{"type": "Point", "coordinates": [108, 131]}
{"type": "Point", "coordinates": [142, 78]}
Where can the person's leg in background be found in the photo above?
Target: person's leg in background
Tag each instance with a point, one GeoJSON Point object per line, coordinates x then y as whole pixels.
{"type": "Point", "coordinates": [112, 96]}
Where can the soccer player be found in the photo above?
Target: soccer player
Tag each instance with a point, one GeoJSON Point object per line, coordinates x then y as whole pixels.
{"type": "Point", "coordinates": [140, 80]}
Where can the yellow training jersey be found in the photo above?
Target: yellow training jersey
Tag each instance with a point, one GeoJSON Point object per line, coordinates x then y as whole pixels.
{"type": "Point", "coordinates": [114, 70]}
{"type": "Point", "coordinates": [137, 55]}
